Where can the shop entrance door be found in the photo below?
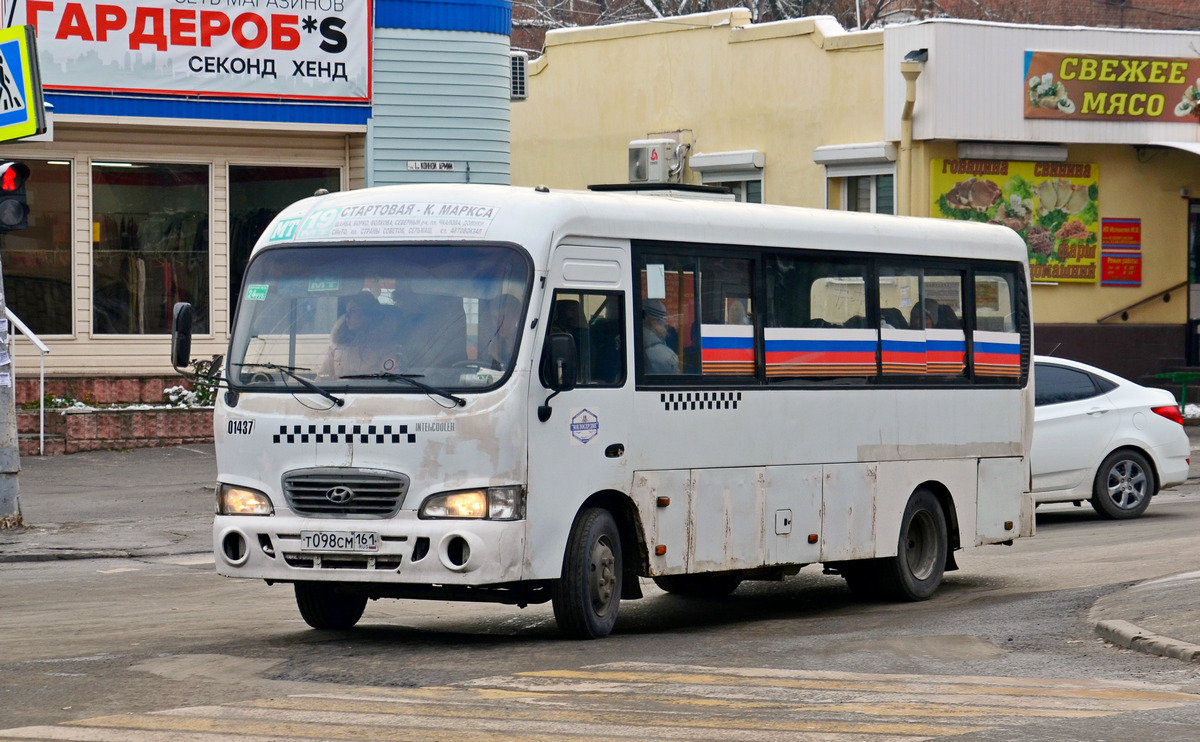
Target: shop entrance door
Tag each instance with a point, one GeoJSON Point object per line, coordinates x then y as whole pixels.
{"type": "Point", "coordinates": [1193, 329]}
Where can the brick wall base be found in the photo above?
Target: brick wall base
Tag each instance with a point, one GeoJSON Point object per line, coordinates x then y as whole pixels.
{"type": "Point", "coordinates": [100, 390]}
{"type": "Point", "coordinates": [71, 431]}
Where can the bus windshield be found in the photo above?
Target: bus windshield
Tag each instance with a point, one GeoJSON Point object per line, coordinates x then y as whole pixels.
{"type": "Point", "coordinates": [347, 318]}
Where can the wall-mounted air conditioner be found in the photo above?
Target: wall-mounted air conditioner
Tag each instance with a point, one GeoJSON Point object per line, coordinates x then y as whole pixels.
{"type": "Point", "coordinates": [518, 77]}
{"type": "Point", "coordinates": [650, 160]}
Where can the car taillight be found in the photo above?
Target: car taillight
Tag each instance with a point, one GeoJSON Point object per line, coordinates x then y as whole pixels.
{"type": "Point", "coordinates": [1171, 412]}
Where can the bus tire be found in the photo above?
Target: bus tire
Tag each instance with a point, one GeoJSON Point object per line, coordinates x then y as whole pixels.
{"type": "Point", "coordinates": [710, 585]}
{"type": "Point", "coordinates": [916, 571]}
{"type": "Point", "coordinates": [587, 595]}
{"type": "Point", "coordinates": [326, 608]}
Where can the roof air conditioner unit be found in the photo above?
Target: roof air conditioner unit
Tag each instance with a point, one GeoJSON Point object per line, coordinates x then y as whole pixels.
{"type": "Point", "coordinates": [650, 160]}
{"type": "Point", "coordinates": [518, 63]}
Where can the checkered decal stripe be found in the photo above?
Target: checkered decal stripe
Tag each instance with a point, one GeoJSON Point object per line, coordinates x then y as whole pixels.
{"type": "Point", "coordinates": [680, 401]}
{"type": "Point", "coordinates": [344, 434]}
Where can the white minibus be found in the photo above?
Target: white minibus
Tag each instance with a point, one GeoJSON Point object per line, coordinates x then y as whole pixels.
{"type": "Point", "coordinates": [519, 395]}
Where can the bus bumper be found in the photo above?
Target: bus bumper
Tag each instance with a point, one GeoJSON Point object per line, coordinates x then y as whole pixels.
{"type": "Point", "coordinates": [407, 550]}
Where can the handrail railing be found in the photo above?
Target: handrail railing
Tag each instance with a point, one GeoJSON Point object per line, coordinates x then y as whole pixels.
{"type": "Point", "coordinates": [1140, 302]}
{"type": "Point", "coordinates": [16, 322]}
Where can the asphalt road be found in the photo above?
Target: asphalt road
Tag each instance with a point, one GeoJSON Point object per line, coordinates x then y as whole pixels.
{"type": "Point", "coordinates": [125, 646]}
{"type": "Point", "coordinates": [155, 645]}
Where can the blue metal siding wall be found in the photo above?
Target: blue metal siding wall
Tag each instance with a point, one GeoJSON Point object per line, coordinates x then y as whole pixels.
{"type": "Point", "coordinates": [486, 16]}
{"type": "Point", "coordinates": [440, 96]}
{"type": "Point", "coordinates": [214, 110]}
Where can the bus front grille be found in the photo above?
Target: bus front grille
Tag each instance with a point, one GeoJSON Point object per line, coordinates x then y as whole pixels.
{"type": "Point", "coordinates": [344, 491]}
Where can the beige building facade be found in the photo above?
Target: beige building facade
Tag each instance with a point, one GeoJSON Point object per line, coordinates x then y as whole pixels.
{"type": "Point", "coordinates": [1082, 140]}
{"type": "Point", "coordinates": [129, 217]}
{"type": "Point", "coordinates": [179, 131]}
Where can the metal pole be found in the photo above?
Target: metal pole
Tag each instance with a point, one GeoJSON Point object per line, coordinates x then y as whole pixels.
{"type": "Point", "coordinates": [10, 457]}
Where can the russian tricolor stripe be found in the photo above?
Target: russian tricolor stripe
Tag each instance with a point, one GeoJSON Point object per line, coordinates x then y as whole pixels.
{"type": "Point", "coordinates": [820, 352]}
{"type": "Point", "coordinates": [727, 349]}
{"type": "Point", "coordinates": [997, 353]}
{"type": "Point", "coordinates": [945, 352]}
{"type": "Point", "coordinates": [903, 352]}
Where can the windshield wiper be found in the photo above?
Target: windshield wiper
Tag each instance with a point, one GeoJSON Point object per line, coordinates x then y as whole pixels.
{"type": "Point", "coordinates": [411, 379]}
{"type": "Point", "coordinates": [290, 371]}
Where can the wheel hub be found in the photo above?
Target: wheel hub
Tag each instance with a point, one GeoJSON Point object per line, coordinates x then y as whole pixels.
{"type": "Point", "coordinates": [920, 547]}
{"type": "Point", "coordinates": [603, 578]}
{"type": "Point", "coordinates": [1126, 485]}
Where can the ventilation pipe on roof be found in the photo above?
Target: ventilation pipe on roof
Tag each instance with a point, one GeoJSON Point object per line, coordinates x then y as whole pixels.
{"type": "Point", "coordinates": [911, 67]}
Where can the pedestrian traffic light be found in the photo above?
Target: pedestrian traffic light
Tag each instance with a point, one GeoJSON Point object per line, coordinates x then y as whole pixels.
{"type": "Point", "coordinates": [14, 212]}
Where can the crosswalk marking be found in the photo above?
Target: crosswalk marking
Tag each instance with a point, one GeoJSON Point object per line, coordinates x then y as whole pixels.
{"type": "Point", "coordinates": [625, 701]}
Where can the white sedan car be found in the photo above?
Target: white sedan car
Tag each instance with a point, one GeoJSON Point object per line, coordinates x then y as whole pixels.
{"type": "Point", "coordinates": [1102, 438]}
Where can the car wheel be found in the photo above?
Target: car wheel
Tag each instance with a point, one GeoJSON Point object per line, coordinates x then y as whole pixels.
{"type": "Point", "coordinates": [1124, 485]}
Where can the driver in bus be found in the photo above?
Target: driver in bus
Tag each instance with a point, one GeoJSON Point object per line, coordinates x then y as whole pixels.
{"type": "Point", "coordinates": [660, 359]}
{"type": "Point", "coordinates": [353, 346]}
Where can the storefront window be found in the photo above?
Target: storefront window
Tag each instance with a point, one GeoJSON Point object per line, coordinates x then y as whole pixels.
{"type": "Point", "coordinates": [37, 260]}
{"type": "Point", "coordinates": [256, 194]}
{"type": "Point", "coordinates": [150, 245]}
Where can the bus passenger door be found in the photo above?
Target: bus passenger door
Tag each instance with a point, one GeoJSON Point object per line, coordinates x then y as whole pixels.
{"type": "Point", "coordinates": [580, 449]}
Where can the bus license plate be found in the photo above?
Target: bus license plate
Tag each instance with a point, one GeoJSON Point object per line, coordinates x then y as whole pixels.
{"type": "Point", "coordinates": [338, 541]}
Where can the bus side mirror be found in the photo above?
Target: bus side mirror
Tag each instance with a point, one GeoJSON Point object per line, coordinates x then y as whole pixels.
{"type": "Point", "coordinates": [562, 362]}
{"type": "Point", "coordinates": [181, 337]}
{"type": "Point", "coordinates": [560, 368]}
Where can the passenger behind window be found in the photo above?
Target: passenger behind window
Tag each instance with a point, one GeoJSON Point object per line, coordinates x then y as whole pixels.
{"type": "Point", "coordinates": [892, 318]}
{"type": "Point", "coordinates": [947, 319]}
{"type": "Point", "coordinates": [660, 359]}
{"type": "Point", "coordinates": [354, 343]}
{"type": "Point", "coordinates": [924, 315]}
{"type": "Point", "coordinates": [935, 315]}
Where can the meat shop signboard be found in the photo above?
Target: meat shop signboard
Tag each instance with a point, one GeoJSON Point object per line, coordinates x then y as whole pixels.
{"type": "Point", "coordinates": [1052, 205]}
{"type": "Point", "coordinates": [293, 49]}
{"type": "Point", "coordinates": [1108, 87]}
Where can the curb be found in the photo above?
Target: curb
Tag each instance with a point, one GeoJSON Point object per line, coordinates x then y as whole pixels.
{"type": "Point", "coordinates": [1125, 634]}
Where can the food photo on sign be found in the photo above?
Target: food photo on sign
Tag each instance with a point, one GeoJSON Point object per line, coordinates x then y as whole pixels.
{"type": "Point", "coordinates": [1053, 206]}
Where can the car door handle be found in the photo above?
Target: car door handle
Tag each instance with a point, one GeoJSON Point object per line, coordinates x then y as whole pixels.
{"type": "Point", "coordinates": [1096, 411]}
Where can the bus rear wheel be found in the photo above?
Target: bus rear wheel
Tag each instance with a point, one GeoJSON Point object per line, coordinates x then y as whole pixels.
{"type": "Point", "coordinates": [323, 606]}
{"type": "Point", "coordinates": [712, 585]}
{"type": "Point", "coordinates": [587, 595]}
{"type": "Point", "coordinates": [916, 571]}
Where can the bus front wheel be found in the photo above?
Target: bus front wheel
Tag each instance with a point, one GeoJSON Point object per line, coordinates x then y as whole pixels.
{"type": "Point", "coordinates": [325, 607]}
{"type": "Point", "coordinates": [588, 593]}
{"type": "Point", "coordinates": [916, 571]}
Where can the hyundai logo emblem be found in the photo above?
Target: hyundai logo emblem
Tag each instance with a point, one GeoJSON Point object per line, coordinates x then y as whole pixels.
{"type": "Point", "coordinates": [339, 495]}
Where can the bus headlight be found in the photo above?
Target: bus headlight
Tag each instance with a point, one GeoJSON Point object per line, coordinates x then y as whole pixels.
{"type": "Point", "coordinates": [493, 503]}
{"type": "Point", "coordinates": [234, 500]}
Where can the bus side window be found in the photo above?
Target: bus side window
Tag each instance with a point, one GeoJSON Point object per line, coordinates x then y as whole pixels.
{"type": "Point", "coordinates": [596, 321]}
{"type": "Point", "coordinates": [997, 336]}
{"type": "Point", "coordinates": [816, 326]}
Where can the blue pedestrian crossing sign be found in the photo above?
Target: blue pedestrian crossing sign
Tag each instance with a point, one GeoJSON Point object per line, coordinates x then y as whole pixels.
{"type": "Point", "coordinates": [22, 113]}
